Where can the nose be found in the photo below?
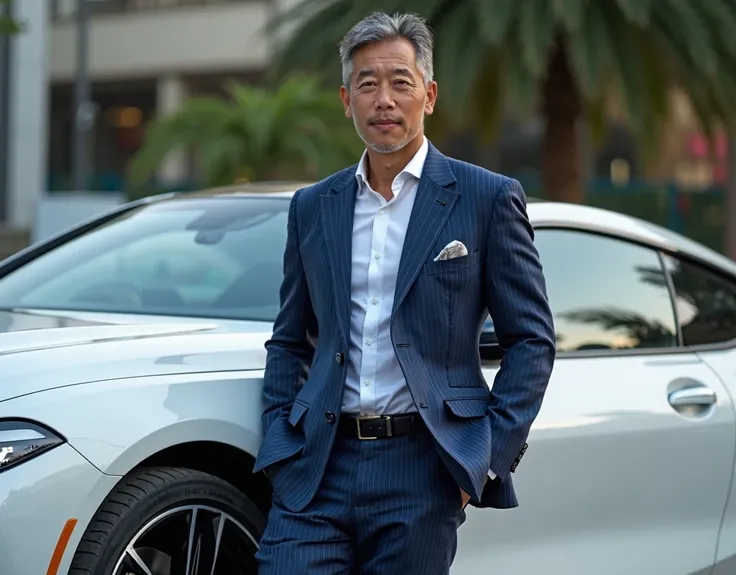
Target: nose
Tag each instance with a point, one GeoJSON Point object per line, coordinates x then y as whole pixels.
{"type": "Point", "coordinates": [384, 101]}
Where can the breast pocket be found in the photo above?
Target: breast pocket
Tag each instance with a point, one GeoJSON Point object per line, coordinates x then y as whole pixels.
{"type": "Point", "coordinates": [452, 265]}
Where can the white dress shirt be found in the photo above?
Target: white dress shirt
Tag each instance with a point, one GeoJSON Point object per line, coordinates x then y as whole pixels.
{"type": "Point", "coordinates": [375, 383]}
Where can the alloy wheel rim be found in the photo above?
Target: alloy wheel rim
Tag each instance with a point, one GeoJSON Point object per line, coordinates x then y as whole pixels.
{"type": "Point", "coordinates": [191, 540]}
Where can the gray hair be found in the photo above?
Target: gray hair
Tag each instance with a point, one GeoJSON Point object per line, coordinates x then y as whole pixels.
{"type": "Point", "coordinates": [379, 27]}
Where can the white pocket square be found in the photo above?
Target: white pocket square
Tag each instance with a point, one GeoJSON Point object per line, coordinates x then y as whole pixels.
{"type": "Point", "coordinates": [455, 249]}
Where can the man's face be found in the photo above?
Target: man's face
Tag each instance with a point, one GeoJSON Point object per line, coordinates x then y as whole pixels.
{"type": "Point", "coordinates": [388, 97]}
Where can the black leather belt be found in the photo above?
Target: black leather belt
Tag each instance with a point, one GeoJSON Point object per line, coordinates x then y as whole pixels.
{"type": "Point", "coordinates": [379, 426]}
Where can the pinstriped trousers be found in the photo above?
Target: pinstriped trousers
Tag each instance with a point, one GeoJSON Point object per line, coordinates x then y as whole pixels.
{"type": "Point", "coordinates": [384, 507]}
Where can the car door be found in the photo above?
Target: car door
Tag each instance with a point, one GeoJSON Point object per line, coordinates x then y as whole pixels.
{"type": "Point", "coordinates": [706, 307]}
{"type": "Point", "coordinates": [630, 459]}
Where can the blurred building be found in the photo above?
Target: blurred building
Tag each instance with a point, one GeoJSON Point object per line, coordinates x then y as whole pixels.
{"type": "Point", "coordinates": [145, 58]}
{"type": "Point", "coordinates": [23, 122]}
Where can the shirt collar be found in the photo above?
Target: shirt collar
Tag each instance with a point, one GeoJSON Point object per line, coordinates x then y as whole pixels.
{"type": "Point", "coordinates": [413, 168]}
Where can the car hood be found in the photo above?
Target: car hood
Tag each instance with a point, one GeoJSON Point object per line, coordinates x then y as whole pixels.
{"type": "Point", "coordinates": [41, 350]}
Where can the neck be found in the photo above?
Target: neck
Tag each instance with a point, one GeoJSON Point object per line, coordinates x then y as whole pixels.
{"type": "Point", "coordinates": [382, 169]}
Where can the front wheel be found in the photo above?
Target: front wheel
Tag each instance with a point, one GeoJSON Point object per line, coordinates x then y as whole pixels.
{"type": "Point", "coordinates": [171, 521]}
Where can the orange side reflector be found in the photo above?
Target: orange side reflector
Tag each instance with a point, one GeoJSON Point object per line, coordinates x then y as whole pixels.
{"type": "Point", "coordinates": [61, 544]}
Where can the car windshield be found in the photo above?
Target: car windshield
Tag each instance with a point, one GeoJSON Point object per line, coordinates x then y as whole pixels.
{"type": "Point", "coordinates": [217, 257]}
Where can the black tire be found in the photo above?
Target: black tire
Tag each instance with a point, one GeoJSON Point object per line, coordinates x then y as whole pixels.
{"type": "Point", "coordinates": [146, 494]}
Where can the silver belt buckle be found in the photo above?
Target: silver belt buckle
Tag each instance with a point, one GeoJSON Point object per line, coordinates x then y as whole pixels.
{"type": "Point", "coordinates": [360, 418]}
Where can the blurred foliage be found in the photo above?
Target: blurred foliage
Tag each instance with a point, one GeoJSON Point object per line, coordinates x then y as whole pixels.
{"type": "Point", "coordinates": [296, 132]}
{"type": "Point", "coordinates": [698, 215]}
{"type": "Point", "coordinates": [495, 57]}
{"type": "Point", "coordinates": [8, 25]}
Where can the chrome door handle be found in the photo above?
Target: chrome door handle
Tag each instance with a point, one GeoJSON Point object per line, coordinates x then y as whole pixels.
{"type": "Point", "coordinates": [692, 396]}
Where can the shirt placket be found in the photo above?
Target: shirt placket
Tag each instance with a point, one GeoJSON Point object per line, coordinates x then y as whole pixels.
{"type": "Point", "coordinates": [373, 309]}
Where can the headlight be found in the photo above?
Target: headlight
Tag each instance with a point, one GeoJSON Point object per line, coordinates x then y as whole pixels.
{"type": "Point", "coordinates": [22, 440]}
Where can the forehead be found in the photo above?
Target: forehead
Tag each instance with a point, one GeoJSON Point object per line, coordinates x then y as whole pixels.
{"type": "Point", "coordinates": [388, 52]}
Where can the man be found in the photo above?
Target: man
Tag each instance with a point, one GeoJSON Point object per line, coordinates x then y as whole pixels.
{"type": "Point", "coordinates": [379, 427]}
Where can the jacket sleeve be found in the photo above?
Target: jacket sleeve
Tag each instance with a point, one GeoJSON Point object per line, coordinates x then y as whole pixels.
{"type": "Point", "coordinates": [517, 302]}
{"type": "Point", "coordinates": [291, 347]}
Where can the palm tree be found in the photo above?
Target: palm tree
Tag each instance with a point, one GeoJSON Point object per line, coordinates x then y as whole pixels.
{"type": "Point", "coordinates": [566, 59]}
{"type": "Point", "coordinates": [640, 331]}
{"type": "Point", "coordinates": [296, 132]}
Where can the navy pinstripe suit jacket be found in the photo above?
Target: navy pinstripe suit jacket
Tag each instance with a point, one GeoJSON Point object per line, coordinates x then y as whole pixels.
{"type": "Point", "coordinates": [438, 313]}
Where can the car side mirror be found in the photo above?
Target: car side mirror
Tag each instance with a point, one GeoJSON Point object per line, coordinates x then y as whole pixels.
{"type": "Point", "coordinates": [490, 350]}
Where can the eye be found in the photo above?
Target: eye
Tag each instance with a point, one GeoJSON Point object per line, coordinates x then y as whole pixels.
{"type": "Point", "coordinates": [366, 84]}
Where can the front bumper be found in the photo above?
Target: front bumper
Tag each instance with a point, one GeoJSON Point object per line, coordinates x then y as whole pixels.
{"type": "Point", "coordinates": [37, 498]}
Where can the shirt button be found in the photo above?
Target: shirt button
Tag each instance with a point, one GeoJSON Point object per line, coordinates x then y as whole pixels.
{"type": "Point", "coordinates": [369, 341]}
{"type": "Point", "coordinates": [374, 301]}
{"type": "Point", "coordinates": [380, 212]}
{"type": "Point", "coordinates": [366, 382]}
{"type": "Point", "coordinates": [377, 256]}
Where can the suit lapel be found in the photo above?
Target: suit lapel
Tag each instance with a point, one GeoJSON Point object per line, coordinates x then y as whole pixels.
{"type": "Point", "coordinates": [338, 210]}
{"type": "Point", "coordinates": [435, 199]}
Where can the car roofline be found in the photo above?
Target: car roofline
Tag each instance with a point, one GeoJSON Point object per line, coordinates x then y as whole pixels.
{"type": "Point", "coordinates": [615, 224]}
{"type": "Point", "coordinates": [543, 214]}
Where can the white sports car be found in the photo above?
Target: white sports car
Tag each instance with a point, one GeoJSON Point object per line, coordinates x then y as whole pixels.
{"type": "Point", "coordinates": [131, 361]}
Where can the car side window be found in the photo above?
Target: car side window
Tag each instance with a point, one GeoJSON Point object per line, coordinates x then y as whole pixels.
{"type": "Point", "coordinates": [705, 303]}
{"type": "Point", "coordinates": [605, 293]}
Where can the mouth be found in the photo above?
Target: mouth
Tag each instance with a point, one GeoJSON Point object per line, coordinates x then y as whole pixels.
{"type": "Point", "coordinates": [385, 124]}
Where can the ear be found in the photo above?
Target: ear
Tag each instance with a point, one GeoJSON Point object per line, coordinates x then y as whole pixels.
{"type": "Point", "coordinates": [431, 99]}
{"type": "Point", "coordinates": [345, 97]}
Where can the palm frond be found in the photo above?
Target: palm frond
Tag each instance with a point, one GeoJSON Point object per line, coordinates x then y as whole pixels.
{"type": "Point", "coordinates": [492, 55]}
{"type": "Point", "coordinates": [312, 48]}
{"type": "Point", "coordinates": [628, 76]}
{"type": "Point", "coordinates": [686, 22]}
{"type": "Point", "coordinates": [720, 16]}
{"type": "Point", "coordinates": [570, 13]}
{"type": "Point", "coordinates": [223, 161]}
{"type": "Point", "coordinates": [537, 28]}
{"type": "Point", "coordinates": [495, 18]}
{"type": "Point", "coordinates": [294, 14]}
{"type": "Point", "coordinates": [699, 61]}
{"type": "Point", "coordinates": [489, 97]}
{"type": "Point", "coordinates": [191, 127]}
{"type": "Point", "coordinates": [458, 65]}
{"type": "Point", "coordinates": [521, 87]}
{"type": "Point", "coordinates": [651, 55]}
{"type": "Point", "coordinates": [435, 11]}
{"type": "Point", "coordinates": [591, 49]}
{"type": "Point", "coordinates": [636, 11]}
{"type": "Point", "coordinates": [255, 133]}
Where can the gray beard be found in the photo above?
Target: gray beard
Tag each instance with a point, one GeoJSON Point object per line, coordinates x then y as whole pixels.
{"type": "Point", "coordinates": [389, 149]}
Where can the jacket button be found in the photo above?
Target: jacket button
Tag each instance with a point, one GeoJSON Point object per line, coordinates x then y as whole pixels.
{"type": "Point", "coordinates": [330, 417]}
{"type": "Point", "coordinates": [339, 357]}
